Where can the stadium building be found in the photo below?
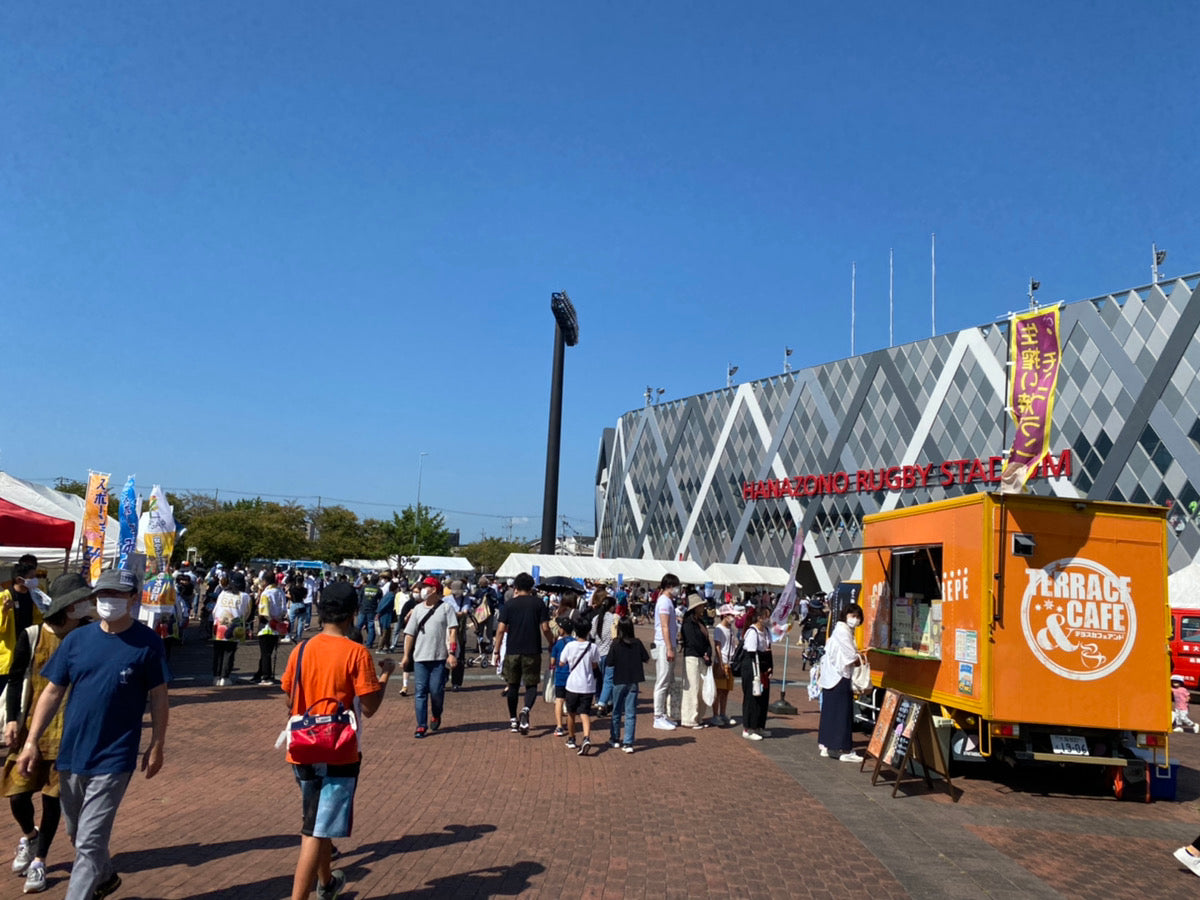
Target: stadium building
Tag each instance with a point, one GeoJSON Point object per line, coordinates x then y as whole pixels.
{"type": "Point", "coordinates": [726, 476]}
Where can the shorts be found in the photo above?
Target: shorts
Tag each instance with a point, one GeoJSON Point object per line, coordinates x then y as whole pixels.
{"type": "Point", "coordinates": [579, 704]}
{"type": "Point", "coordinates": [327, 798]}
{"type": "Point", "coordinates": [522, 667]}
{"type": "Point", "coordinates": [43, 778]}
{"type": "Point", "coordinates": [560, 692]}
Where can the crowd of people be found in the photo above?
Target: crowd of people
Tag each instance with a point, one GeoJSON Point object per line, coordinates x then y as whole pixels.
{"type": "Point", "coordinates": [89, 659]}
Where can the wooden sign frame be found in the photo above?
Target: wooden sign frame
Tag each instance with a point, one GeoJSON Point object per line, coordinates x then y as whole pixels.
{"type": "Point", "coordinates": [904, 733]}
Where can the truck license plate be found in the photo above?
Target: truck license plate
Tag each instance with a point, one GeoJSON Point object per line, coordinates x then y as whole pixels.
{"type": "Point", "coordinates": [1069, 744]}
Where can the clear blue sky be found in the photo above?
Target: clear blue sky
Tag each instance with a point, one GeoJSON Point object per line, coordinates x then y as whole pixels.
{"type": "Point", "coordinates": [285, 247]}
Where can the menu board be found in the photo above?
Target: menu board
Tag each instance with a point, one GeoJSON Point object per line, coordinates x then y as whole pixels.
{"type": "Point", "coordinates": [883, 724]}
{"type": "Point", "coordinates": [908, 713]}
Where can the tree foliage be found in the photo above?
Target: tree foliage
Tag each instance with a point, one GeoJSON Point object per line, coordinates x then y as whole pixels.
{"type": "Point", "coordinates": [230, 532]}
{"type": "Point", "coordinates": [490, 552]}
{"type": "Point", "coordinates": [250, 529]}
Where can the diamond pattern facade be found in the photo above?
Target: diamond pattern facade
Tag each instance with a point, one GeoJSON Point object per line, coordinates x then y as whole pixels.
{"type": "Point", "coordinates": [669, 481]}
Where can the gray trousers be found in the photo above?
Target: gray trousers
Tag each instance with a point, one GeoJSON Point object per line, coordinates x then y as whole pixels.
{"type": "Point", "coordinates": [89, 805]}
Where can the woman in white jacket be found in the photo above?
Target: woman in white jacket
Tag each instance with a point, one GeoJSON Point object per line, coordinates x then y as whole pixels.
{"type": "Point", "coordinates": [837, 696]}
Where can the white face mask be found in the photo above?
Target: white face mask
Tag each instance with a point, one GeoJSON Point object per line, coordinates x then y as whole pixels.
{"type": "Point", "coordinates": [112, 608]}
{"type": "Point", "coordinates": [82, 611]}
{"type": "Point", "coordinates": [31, 583]}
{"type": "Point", "coordinates": [853, 621]}
{"type": "Point", "coordinates": [426, 593]}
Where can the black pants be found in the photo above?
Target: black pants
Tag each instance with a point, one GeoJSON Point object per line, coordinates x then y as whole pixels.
{"type": "Point", "coordinates": [754, 709]}
{"type": "Point", "coordinates": [266, 655]}
{"type": "Point", "coordinates": [837, 717]}
{"type": "Point", "coordinates": [223, 653]}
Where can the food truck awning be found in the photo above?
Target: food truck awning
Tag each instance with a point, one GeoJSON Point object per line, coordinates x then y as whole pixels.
{"type": "Point", "coordinates": [895, 548]}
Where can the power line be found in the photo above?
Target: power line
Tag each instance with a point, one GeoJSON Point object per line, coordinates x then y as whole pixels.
{"type": "Point", "coordinates": [324, 497]}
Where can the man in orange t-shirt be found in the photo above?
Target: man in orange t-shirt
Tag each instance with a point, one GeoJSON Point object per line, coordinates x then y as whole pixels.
{"type": "Point", "coordinates": [338, 667]}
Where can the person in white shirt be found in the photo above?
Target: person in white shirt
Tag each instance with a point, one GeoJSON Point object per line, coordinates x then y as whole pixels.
{"type": "Point", "coordinates": [581, 659]}
{"type": "Point", "coordinates": [842, 657]}
{"type": "Point", "coordinates": [666, 634]}
{"type": "Point", "coordinates": [724, 641]}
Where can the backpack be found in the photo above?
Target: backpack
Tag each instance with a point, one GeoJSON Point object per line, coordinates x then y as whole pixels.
{"type": "Point", "coordinates": [739, 656]}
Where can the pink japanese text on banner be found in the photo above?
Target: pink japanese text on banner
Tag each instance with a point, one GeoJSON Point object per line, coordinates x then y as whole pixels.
{"type": "Point", "coordinates": [1036, 355]}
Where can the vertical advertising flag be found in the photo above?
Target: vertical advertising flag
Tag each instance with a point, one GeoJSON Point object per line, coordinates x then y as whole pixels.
{"type": "Point", "coordinates": [787, 600]}
{"type": "Point", "coordinates": [127, 518]}
{"type": "Point", "coordinates": [95, 521]}
{"type": "Point", "coordinates": [158, 537]}
{"type": "Point", "coordinates": [1035, 353]}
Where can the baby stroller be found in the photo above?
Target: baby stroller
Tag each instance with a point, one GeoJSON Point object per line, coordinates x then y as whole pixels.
{"type": "Point", "coordinates": [479, 624]}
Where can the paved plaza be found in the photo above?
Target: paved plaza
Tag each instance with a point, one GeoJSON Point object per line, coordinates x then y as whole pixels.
{"type": "Point", "coordinates": [476, 811]}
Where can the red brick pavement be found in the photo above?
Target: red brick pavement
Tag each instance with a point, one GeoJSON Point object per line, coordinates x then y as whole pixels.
{"type": "Point", "coordinates": [476, 811]}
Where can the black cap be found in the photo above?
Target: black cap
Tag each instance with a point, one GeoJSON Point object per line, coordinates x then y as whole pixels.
{"type": "Point", "coordinates": [338, 599]}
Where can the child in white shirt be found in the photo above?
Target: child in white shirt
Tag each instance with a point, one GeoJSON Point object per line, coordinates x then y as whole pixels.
{"type": "Point", "coordinates": [581, 660]}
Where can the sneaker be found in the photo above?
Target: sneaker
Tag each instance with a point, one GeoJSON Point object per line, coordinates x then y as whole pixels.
{"type": "Point", "coordinates": [751, 735]}
{"type": "Point", "coordinates": [1186, 859]}
{"type": "Point", "coordinates": [628, 748]}
{"type": "Point", "coordinates": [585, 746]}
{"type": "Point", "coordinates": [523, 720]}
{"type": "Point", "coordinates": [109, 887]}
{"type": "Point", "coordinates": [571, 745]}
{"type": "Point", "coordinates": [333, 890]}
{"type": "Point", "coordinates": [1177, 730]}
{"type": "Point", "coordinates": [420, 732]}
{"type": "Point", "coordinates": [512, 726]}
{"type": "Point", "coordinates": [824, 752]}
{"type": "Point", "coordinates": [435, 724]}
{"type": "Point", "coordinates": [664, 724]}
{"type": "Point", "coordinates": [615, 744]}
{"type": "Point", "coordinates": [24, 856]}
{"type": "Point", "coordinates": [730, 722]}
{"type": "Point", "coordinates": [560, 731]}
{"type": "Point", "coordinates": [35, 879]}
{"type": "Point", "coordinates": [699, 725]}
{"type": "Point", "coordinates": [1196, 728]}
{"type": "Point", "coordinates": [850, 757]}
{"type": "Point", "coordinates": [403, 692]}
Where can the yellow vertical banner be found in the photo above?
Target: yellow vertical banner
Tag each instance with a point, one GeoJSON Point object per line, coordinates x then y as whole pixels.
{"type": "Point", "coordinates": [95, 521]}
{"type": "Point", "coordinates": [1035, 351]}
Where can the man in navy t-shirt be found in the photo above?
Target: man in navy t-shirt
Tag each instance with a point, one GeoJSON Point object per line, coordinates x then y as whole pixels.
{"type": "Point", "coordinates": [111, 669]}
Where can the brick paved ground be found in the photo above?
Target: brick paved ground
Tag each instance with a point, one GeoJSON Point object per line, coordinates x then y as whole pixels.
{"type": "Point", "coordinates": [476, 811]}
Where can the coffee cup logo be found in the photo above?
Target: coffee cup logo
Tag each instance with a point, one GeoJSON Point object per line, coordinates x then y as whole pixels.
{"type": "Point", "coordinates": [1078, 618]}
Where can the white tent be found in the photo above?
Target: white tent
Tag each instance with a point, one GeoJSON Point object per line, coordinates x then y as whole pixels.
{"type": "Point", "coordinates": [685, 570]}
{"type": "Point", "coordinates": [773, 576]}
{"type": "Point", "coordinates": [1183, 587]}
{"type": "Point", "coordinates": [650, 571]}
{"type": "Point", "coordinates": [733, 574]}
{"type": "Point", "coordinates": [551, 564]}
{"type": "Point", "coordinates": [48, 502]}
{"type": "Point", "coordinates": [422, 564]}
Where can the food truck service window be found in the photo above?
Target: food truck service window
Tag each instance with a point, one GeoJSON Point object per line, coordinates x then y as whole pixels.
{"type": "Point", "coordinates": [916, 599]}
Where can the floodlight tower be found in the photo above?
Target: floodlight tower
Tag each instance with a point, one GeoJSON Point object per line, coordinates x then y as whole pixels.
{"type": "Point", "coordinates": [566, 334]}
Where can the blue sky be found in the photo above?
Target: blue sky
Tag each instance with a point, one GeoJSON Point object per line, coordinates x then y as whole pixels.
{"type": "Point", "coordinates": [282, 248]}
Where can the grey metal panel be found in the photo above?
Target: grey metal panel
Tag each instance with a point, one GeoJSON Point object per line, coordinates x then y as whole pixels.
{"type": "Point", "coordinates": [1184, 334]}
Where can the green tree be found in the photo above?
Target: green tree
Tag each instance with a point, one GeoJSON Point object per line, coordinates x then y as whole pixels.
{"type": "Point", "coordinates": [490, 552]}
{"type": "Point", "coordinates": [250, 529]}
{"type": "Point", "coordinates": [404, 538]}
{"type": "Point", "coordinates": [338, 534]}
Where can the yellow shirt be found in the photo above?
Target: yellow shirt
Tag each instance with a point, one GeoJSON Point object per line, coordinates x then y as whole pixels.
{"type": "Point", "coordinates": [8, 628]}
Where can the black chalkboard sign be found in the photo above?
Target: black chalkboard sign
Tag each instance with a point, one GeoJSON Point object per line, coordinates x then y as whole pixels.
{"type": "Point", "coordinates": [904, 734]}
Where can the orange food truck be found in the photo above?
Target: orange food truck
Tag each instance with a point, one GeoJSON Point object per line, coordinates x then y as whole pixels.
{"type": "Point", "coordinates": [1039, 625]}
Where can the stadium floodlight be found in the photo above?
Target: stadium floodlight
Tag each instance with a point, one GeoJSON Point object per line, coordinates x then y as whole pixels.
{"type": "Point", "coordinates": [566, 334]}
{"type": "Point", "coordinates": [564, 315]}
